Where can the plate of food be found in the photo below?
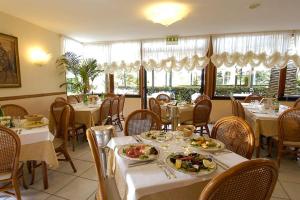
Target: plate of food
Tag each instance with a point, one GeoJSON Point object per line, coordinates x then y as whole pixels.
{"type": "Point", "coordinates": [192, 163]}
{"type": "Point", "coordinates": [207, 144]}
{"type": "Point", "coordinates": [138, 152]}
{"type": "Point", "coordinates": [33, 124]}
{"type": "Point", "coordinates": [159, 136]}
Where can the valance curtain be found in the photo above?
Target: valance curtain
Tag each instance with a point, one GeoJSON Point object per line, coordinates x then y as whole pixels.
{"type": "Point", "coordinates": [269, 49]}
{"type": "Point", "coordinates": [70, 45]}
{"type": "Point", "coordinates": [115, 56]}
{"type": "Point", "coordinates": [189, 54]}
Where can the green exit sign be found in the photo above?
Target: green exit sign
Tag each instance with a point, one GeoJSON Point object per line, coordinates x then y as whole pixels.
{"type": "Point", "coordinates": [172, 40]}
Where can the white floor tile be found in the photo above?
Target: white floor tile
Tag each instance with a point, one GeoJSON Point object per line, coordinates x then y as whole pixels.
{"type": "Point", "coordinates": [79, 189]}
{"type": "Point", "coordinates": [279, 192]}
{"type": "Point", "coordinates": [32, 194]}
{"type": "Point", "coordinates": [292, 189]}
{"type": "Point", "coordinates": [80, 165]}
{"type": "Point", "coordinates": [52, 197]}
{"type": "Point", "coordinates": [56, 180]}
{"type": "Point", "coordinates": [90, 174]}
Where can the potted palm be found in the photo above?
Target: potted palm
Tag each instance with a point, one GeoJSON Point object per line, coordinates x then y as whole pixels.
{"type": "Point", "coordinates": [84, 71]}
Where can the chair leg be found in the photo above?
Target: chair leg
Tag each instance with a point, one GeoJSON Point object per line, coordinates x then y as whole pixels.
{"type": "Point", "coordinates": [68, 158]}
{"type": "Point", "coordinates": [23, 179]}
{"type": "Point", "coordinates": [73, 139]}
{"type": "Point", "coordinates": [45, 174]}
{"type": "Point", "coordinates": [33, 166]}
{"type": "Point", "coordinates": [279, 153]}
{"type": "Point", "coordinates": [270, 146]}
{"type": "Point", "coordinates": [257, 151]}
{"type": "Point", "coordinates": [28, 164]}
{"type": "Point", "coordinates": [15, 184]}
{"type": "Point", "coordinates": [207, 129]}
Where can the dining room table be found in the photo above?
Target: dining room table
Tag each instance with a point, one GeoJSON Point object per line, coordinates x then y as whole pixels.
{"type": "Point", "coordinates": [178, 113]}
{"type": "Point", "coordinates": [37, 145]}
{"type": "Point", "coordinates": [264, 122]}
{"type": "Point", "coordinates": [86, 114]}
{"type": "Point", "coordinates": [151, 180]}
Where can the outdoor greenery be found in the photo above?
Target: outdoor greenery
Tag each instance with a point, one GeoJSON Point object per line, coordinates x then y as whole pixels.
{"type": "Point", "coordinates": [226, 90]}
{"type": "Point", "coordinates": [84, 71]}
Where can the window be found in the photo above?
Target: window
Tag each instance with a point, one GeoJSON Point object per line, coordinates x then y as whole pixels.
{"type": "Point", "coordinates": [241, 81]}
{"type": "Point", "coordinates": [126, 82]}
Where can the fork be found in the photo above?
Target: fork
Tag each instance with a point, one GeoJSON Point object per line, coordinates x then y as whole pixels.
{"type": "Point", "coordinates": [167, 168]}
{"type": "Point", "coordinates": [163, 169]}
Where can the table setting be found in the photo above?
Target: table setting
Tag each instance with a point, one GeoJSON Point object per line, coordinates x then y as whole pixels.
{"type": "Point", "coordinates": [172, 161]}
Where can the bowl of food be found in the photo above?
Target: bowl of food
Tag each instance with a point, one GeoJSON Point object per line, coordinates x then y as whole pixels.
{"type": "Point", "coordinates": [34, 117]}
{"type": "Point", "coordinates": [187, 130]}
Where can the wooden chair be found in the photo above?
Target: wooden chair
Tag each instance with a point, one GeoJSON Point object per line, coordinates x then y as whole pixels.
{"type": "Point", "coordinates": [79, 98]}
{"type": "Point", "coordinates": [201, 97]}
{"type": "Point", "coordinates": [297, 103]}
{"type": "Point", "coordinates": [201, 115]}
{"type": "Point", "coordinates": [10, 168]}
{"type": "Point", "coordinates": [14, 110]}
{"type": "Point", "coordinates": [115, 112]}
{"type": "Point", "coordinates": [163, 97]}
{"type": "Point", "coordinates": [121, 107]}
{"type": "Point", "coordinates": [236, 134]}
{"type": "Point", "coordinates": [61, 99]}
{"type": "Point", "coordinates": [141, 121]}
{"type": "Point", "coordinates": [249, 180]}
{"type": "Point", "coordinates": [238, 109]}
{"type": "Point", "coordinates": [105, 112]}
{"type": "Point", "coordinates": [253, 97]}
{"type": "Point", "coordinates": [72, 99]}
{"type": "Point", "coordinates": [155, 107]}
{"type": "Point", "coordinates": [61, 116]}
{"type": "Point", "coordinates": [288, 132]}
{"type": "Point", "coordinates": [107, 186]}
{"type": "Point", "coordinates": [74, 127]}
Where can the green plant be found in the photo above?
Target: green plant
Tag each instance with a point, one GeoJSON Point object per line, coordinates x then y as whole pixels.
{"type": "Point", "coordinates": [84, 70]}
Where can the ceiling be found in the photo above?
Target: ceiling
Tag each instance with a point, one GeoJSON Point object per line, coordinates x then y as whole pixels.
{"type": "Point", "coordinates": [107, 20]}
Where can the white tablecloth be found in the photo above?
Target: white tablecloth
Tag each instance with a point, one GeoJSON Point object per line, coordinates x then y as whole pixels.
{"type": "Point", "coordinates": [150, 179]}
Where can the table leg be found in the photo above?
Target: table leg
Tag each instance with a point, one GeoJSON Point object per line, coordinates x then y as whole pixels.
{"type": "Point", "coordinates": [45, 174]}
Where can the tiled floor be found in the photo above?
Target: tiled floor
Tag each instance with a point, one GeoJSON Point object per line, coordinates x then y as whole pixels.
{"type": "Point", "coordinates": [64, 184]}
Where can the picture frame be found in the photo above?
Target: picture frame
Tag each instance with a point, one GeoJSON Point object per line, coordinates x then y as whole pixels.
{"type": "Point", "coordinates": [10, 75]}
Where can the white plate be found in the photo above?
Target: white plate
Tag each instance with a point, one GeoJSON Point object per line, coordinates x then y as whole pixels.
{"type": "Point", "coordinates": [158, 136]}
{"type": "Point", "coordinates": [211, 149]}
{"type": "Point", "coordinates": [123, 155]}
{"type": "Point", "coordinates": [200, 173]}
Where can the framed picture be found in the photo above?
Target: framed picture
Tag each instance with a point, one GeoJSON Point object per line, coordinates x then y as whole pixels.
{"type": "Point", "coordinates": [9, 62]}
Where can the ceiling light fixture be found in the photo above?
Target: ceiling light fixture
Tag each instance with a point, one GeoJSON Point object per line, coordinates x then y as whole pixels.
{"type": "Point", "coordinates": [166, 13]}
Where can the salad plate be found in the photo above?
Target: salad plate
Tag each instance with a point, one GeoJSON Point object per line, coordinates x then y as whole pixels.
{"type": "Point", "coordinates": [138, 152]}
{"type": "Point", "coordinates": [207, 144]}
{"type": "Point", "coordinates": [193, 163]}
{"type": "Point", "coordinates": [159, 136]}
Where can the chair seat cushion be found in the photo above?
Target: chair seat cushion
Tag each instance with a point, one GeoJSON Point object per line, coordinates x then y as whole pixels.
{"type": "Point", "coordinates": [288, 143]}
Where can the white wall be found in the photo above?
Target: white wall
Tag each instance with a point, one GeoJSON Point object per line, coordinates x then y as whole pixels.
{"type": "Point", "coordinates": [34, 79]}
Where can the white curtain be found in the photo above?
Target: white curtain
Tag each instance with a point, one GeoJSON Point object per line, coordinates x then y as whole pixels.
{"type": "Point", "coordinates": [189, 54]}
{"type": "Point", "coordinates": [74, 46]}
{"type": "Point", "coordinates": [295, 57]}
{"type": "Point", "coordinates": [269, 49]}
{"type": "Point", "coordinates": [114, 56]}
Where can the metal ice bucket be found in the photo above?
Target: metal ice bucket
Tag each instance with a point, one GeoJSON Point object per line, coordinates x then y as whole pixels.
{"type": "Point", "coordinates": [103, 135]}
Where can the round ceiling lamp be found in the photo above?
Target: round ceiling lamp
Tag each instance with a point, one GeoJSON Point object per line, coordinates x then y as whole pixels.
{"type": "Point", "coordinates": [166, 13]}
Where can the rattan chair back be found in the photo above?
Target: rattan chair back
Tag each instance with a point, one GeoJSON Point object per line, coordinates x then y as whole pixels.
{"type": "Point", "coordinates": [60, 112]}
{"type": "Point", "coordinates": [289, 125]}
{"type": "Point", "coordinates": [72, 99]}
{"type": "Point", "coordinates": [236, 134]}
{"type": "Point", "coordinates": [92, 139]}
{"type": "Point", "coordinates": [238, 109]}
{"type": "Point", "coordinates": [163, 97]}
{"type": "Point", "coordinates": [105, 111]}
{"type": "Point", "coordinates": [14, 110]}
{"type": "Point", "coordinates": [297, 103]}
{"type": "Point", "coordinates": [115, 106]}
{"type": "Point", "coordinates": [252, 97]}
{"type": "Point", "coordinates": [121, 103]}
{"type": "Point", "coordinates": [110, 95]}
{"type": "Point", "coordinates": [141, 121]}
{"type": "Point", "coordinates": [10, 146]}
{"type": "Point", "coordinates": [254, 179]}
{"type": "Point", "coordinates": [201, 97]}
{"type": "Point", "coordinates": [61, 99]}
{"type": "Point", "coordinates": [154, 106]}
{"type": "Point", "coordinates": [201, 113]}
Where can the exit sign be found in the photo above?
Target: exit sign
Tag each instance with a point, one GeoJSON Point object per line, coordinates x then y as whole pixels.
{"type": "Point", "coordinates": [172, 40]}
